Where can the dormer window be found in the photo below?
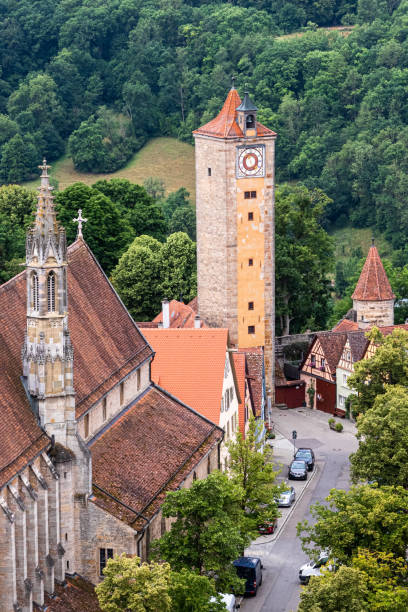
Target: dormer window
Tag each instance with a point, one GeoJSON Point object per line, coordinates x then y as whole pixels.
{"type": "Point", "coordinates": [51, 291]}
{"type": "Point", "coordinates": [35, 305]}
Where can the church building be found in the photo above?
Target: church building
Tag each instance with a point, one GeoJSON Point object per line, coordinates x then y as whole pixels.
{"type": "Point", "coordinates": [234, 155]}
{"type": "Point", "coordinates": [89, 446]}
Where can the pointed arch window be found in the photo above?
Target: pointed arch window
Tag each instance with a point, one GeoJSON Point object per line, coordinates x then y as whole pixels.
{"type": "Point", "coordinates": [51, 291]}
{"type": "Point", "coordinates": [35, 305]}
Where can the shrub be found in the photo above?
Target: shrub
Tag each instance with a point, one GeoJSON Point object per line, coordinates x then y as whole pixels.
{"type": "Point", "coordinates": [338, 427]}
{"type": "Point", "coordinates": [331, 421]}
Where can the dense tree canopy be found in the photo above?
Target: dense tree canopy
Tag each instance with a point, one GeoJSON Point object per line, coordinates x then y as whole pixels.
{"type": "Point", "coordinates": [304, 256]}
{"type": "Point", "coordinates": [367, 516]}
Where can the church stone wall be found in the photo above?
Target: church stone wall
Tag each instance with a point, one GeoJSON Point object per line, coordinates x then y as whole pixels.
{"type": "Point", "coordinates": [377, 313]}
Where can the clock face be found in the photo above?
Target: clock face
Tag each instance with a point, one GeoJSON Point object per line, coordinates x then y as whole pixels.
{"type": "Point", "coordinates": [250, 161]}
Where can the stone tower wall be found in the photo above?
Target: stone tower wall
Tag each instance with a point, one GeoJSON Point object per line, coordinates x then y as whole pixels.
{"type": "Point", "coordinates": [375, 312]}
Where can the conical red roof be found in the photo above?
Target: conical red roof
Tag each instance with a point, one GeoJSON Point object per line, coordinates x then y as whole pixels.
{"type": "Point", "coordinates": [225, 124]}
{"type": "Point", "coordinates": [373, 284]}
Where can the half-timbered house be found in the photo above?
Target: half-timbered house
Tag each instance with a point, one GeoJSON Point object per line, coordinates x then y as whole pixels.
{"type": "Point", "coordinates": [353, 351]}
{"type": "Point", "coordinates": [318, 370]}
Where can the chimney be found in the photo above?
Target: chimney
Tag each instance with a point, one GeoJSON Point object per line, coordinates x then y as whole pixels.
{"type": "Point", "coordinates": [197, 322]}
{"type": "Point", "coordinates": [166, 313]}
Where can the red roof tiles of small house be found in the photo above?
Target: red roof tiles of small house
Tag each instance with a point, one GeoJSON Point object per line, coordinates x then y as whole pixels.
{"type": "Point", "coordinates": [225, 125]}
{"type": "Point", "coordinates": [239, 364]}
{"type": "Point", "coordinates": [149, 450]}
{"type": "Point", "coordinates": [332, 344]}
{"type": "Point", "coordinates": [181, 315]}
{"type": "Point", "coordinates": [189, 363]}
{"type": "Point", "coordinates": [358, 344]}
{"type": "Point", "coordinates": [373, 283]}
{"type": "Point", "coordinates": [107, 346]}
{"type": "Point", "coordinates": [345, 325]}
{"type": "Point", "coordinates": [388, 329]}
{"type": "Point", "coordinates": [75, 595]}
{"type": "Point", "coordinates": [254, 360]}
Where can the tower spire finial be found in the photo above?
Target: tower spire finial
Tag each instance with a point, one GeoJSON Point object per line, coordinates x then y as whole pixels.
{"type": "Point", "coordinates": [80, 220]}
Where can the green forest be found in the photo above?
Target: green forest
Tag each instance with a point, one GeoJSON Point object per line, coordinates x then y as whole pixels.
{"type": "Point", "coordinates": [96, 79]}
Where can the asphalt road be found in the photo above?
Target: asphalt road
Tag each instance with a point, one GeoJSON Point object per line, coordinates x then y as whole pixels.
{"type": "Point", "coordinates": [283, 557]}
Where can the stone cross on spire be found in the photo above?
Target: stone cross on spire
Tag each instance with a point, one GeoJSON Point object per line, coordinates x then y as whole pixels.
{"type": "Point", "coordinates": [80, 220]}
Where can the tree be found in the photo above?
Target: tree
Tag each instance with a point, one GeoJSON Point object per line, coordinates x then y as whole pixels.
{"type": "Point", "coordinates": [367, 516]}
{"type": "Point", "coordinates": [143, 214]}
{"type": "Point", "coordinates": [388, 366]}
{"type": "Point", "coordinates": [250, 468]}
{"type": "Point", "coordinates": [137, 278]}
{"type": "Point", "coordinates": [131, 586]}
{"type": "Point", "coordinates": [382, 454]}
{"type": "Point", "coordinates": [175, 200]}
{"type": "Point", "coordinates": [303, 257]}
{"type": "Point", "coordinates": [18, 203]}
{"type": "Point", "coordinates": [339, 591]}
{"type": "Point", "coordinates": [178, 268]}
{"type": "Point", "coordinates": [19, 159]}
{"type": "Point", "coordinates": [106, 232]}
{"type": "Point", "coordinates": [155, 187]}
{"type": "Point", "coordinates": [184, 220]}
{"type": "Point", "coordinates": [103, 143]}
{"type": "Point", "coordinates": [153, 587]}
{"type": "Point", "coordinates": [375, 581]}
{"type": "Point", "coordinates": [12, 246]}
{"type": "Point", "coordinates": [207, 534]}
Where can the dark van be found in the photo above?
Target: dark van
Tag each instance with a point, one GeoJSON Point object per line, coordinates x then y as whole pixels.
{"type": "Point", "coordinates": [250, 568]}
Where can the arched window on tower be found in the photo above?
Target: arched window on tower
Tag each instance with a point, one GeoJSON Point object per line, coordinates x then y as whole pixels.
{"type": "Point", "coordinates": [51, 291]}
{"type": "Point", "coordinates": [250, 121]}
{"type": "Point", "coordinates": [34, 291]}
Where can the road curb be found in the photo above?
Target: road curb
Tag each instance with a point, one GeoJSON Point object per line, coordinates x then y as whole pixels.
{"type": "Point", "coordinates": [318, 468]}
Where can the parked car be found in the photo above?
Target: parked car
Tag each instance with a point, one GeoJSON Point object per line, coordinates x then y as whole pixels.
{"type": "Point", "coordinates": [313, 568]}
{"type": "Point", "coordinates": [286, 498]}
{"type": "Point", "coordinates": [250, 568]}
{"type": "Point", "coordinates": [268, 527]}
{"type": "Point", "coordinates": [229, 600]}
{"type": "Point", "coordinates": [306, 454]}
{"type": "Point", "coordinates": [297, 470]}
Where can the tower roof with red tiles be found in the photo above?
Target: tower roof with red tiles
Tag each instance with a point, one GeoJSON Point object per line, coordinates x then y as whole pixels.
{"type": "Point", "coordinates": [373, 284]}
{"type": "Point", "coordinates": [225, 124]}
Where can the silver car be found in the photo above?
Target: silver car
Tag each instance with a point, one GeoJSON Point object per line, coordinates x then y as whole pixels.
{"type": "Point", "coordinates": [286, 498]}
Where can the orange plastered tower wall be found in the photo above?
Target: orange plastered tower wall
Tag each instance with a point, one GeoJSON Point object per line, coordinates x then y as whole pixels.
{"type": "Point", "coordinates": [235, 160]}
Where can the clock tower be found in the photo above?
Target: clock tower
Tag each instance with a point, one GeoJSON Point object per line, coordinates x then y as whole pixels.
{"type": "Point", "coordinates": [235, 156]}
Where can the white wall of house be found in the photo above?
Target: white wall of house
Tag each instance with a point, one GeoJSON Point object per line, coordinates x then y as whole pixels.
{"type": "Point", "coordinates": [229, 409]}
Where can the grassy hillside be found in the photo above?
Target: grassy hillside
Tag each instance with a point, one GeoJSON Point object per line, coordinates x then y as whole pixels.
{"type": "Point", "coordinates": [349, 238]}
{"type": "Point", "coordinates": [164, 158]}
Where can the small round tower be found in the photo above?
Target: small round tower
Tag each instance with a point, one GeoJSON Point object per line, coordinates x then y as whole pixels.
{"type": "Point", "coordinates": [373, 299]}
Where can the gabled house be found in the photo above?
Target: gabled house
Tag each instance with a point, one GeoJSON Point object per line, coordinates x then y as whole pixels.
{"type": "Point", "coordinates": [354, 349]}
{"type": "Point", "coordinates": [318, 370]}
{"type": "Point", "coordinates": [196, 366]}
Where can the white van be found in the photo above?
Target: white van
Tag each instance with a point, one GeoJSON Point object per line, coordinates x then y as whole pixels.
{"type": "Point", "coordinates": [229, 601]}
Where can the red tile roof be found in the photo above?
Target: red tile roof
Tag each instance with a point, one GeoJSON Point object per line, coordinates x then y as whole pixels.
{"type": "Point", "coordinates": [189, 363]}
{"type": "Point", "coordinates": [240, 371]}
{"type": "Point", "coordinates": [181, 315]}
{"type": "Point", "coordinates": [225, 124]}
{"type": "Point", "coordinates": [76, 595]}
{"type": "Point", "coordinates": [107, 343]}
{"type": "Point", "coordinates": [254, 360]}
{"type": "Point", "coordinates": [373, 283]}
{"type": "Point", "coordinates": [107, 346]}
{"type": "Point", "coordinates": [21, 439]}
{"type": "Point", "coordinates": [358, 344]}
{"type": "Point", "coordinates": [149, 450]}
{"type": "Point", "coordinates": [345, 325]}
{"type": "Point", "coordinates": [332, 345]}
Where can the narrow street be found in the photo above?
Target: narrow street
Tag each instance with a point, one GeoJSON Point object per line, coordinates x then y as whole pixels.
{"type": "Point", "coordinates": [283, 557]}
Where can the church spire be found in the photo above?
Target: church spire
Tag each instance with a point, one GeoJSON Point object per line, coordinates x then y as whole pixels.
{"type": "Point", "coordinates": [47, 351]}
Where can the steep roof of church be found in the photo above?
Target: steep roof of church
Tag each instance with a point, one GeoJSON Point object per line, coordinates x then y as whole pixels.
{"type": "Point", "coordinates": [107, 343]}
{"type": "Point", "coordinates": [149, 450]}
{"type": "Point", "coordinates": [190, 364]}
{"type": "Point", "coordinates": [373, 284]}
{"type": "Point", "coordinates": [224, 125]}
{"type": "Point", "coordinates": [21, 438]}
{"type": "Point", "coordinates": [107, 346]}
